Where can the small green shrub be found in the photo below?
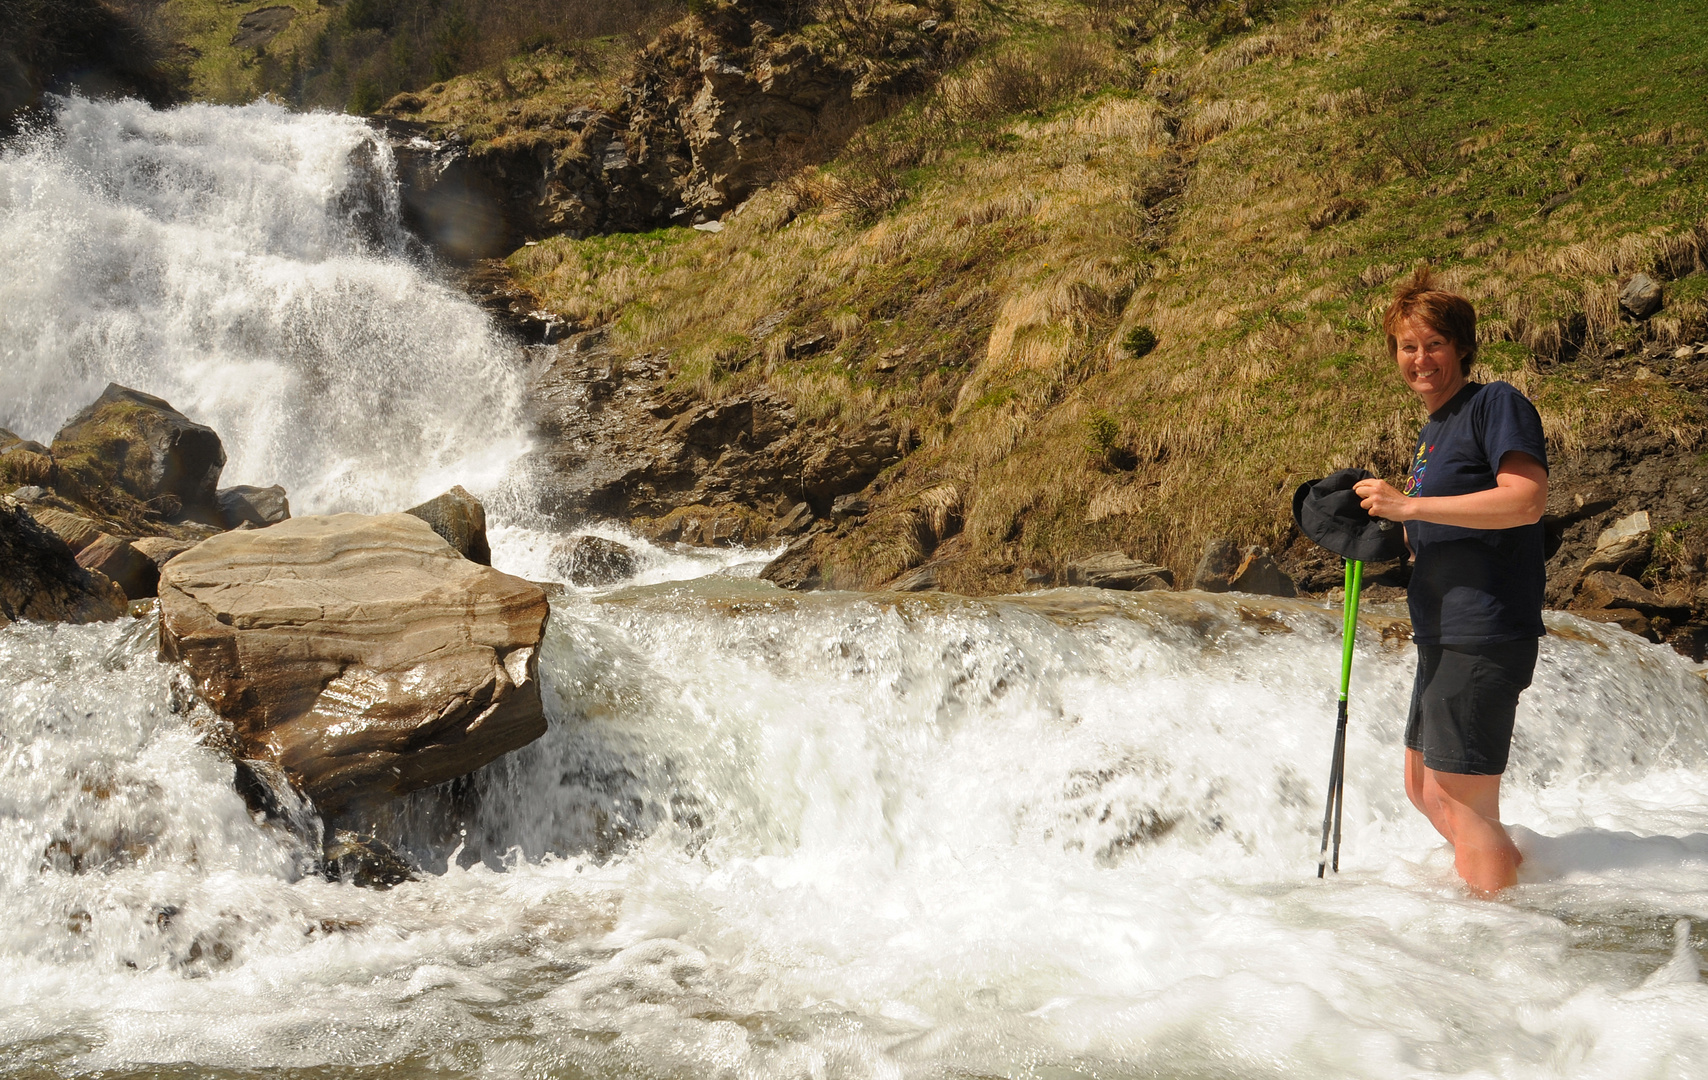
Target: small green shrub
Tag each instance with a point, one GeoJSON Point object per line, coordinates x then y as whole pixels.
{"type": "Point", "coordinates": [1101, 431]}
{"type": "Point", "coordinates": [1140, 341]}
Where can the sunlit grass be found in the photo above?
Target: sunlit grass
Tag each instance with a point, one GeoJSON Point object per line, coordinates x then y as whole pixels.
{"type": "Point", "coordinates": [1252, 203]}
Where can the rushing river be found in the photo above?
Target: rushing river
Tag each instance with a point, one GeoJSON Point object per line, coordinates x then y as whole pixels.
{"type": "Point", "coordinates": [767, 835]}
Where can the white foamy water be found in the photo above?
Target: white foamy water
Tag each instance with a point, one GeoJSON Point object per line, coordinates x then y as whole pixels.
{"type": "Point", "coordinates": [767, 835]}
{"type": "Point", "coordinates": [772, 835]}
{"type": "Point", "coordinates": [247, 265]}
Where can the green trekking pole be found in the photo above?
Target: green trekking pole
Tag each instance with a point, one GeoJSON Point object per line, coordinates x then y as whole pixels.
{"type": "Point", "coordinates": [1337, 767]}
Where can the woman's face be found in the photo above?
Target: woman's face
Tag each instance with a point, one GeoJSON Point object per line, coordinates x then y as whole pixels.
{"type": "Point", "coordinates": [1428, 361]}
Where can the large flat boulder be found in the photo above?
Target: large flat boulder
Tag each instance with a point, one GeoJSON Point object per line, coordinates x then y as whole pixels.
{"type": "Point", "coordinates": [40, 579]}
{"type": "Point", "coordinates": [361, 654]}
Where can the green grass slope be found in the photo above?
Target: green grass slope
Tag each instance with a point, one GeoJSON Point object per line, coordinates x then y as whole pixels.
{"type": "Point", "coordinates": [1241, 186]}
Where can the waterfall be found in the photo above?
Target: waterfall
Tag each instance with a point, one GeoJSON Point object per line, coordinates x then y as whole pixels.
{"type": "Point", "coordinates": [767, 835]}
{"type": "Point", "coordinates": [248, 266]}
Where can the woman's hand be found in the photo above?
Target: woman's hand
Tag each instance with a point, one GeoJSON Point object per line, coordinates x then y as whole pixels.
{"type": "Point", "coordinates": [1383, 500]}
{"type": "Point", "coordinates": [1519, 497]}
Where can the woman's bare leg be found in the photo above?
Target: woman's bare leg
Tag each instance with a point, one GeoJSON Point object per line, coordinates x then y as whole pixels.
{"type": "Point", "coordinates": [1466, 810]}
{"type": "Point", "coordinates": [1414, 783]}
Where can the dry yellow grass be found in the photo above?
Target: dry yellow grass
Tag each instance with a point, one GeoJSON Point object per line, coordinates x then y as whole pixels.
{"type": "Point", "coordinates": [1185, 187]}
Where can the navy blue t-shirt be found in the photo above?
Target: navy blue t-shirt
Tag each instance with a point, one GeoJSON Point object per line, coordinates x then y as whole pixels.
{"type": "Point", "coordinates": [1475, 586]}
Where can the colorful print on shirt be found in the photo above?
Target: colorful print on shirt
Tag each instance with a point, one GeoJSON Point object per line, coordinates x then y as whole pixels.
{"type": "Point", "coordinates": [1419, 466]}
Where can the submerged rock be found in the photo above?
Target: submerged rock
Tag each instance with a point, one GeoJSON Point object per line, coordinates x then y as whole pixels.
{"type": "Point", "coordinates": [593, 560]}
{"type": "Point", "coordinates": [361, 654]}
{"type": "Point", "coordinates": [461, 520]}
{"type": "Point", "coordinates": [364, 862]}
{"type": "Point", "coordinates": [40, 579]}
{"type": "Point", "coordinates": [139, 445]}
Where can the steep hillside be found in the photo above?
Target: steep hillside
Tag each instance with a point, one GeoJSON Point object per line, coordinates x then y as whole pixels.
{"type": "Point", "coordinates": [1117, 278]}
{"type": "Point", "coordinates": [358, 53]}
{"type": "Point", "coordinates": [91, 46]}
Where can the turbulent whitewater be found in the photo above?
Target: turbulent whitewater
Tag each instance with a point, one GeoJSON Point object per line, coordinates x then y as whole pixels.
{"type": "Point", "coordinates": [767, 835]}
{"type": "Point", "coordinates": [248, 266]}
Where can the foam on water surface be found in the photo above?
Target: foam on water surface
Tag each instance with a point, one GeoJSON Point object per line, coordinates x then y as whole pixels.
{"type": "Point", "coordinates": [766, 835]}
{"type": "Point", "coordinates": [776, 835]}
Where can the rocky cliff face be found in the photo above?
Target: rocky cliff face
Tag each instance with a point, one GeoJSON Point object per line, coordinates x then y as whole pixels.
{"type": "Point", "coordinates": [720, 104]}
{"type": "Point", "coordinates": [622, 443]}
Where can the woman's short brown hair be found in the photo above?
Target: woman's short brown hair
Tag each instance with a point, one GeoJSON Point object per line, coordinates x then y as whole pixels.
{"type": "Point", "coordinates": [1447, 313]}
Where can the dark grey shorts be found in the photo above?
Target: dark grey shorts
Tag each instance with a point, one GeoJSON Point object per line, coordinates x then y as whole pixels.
{"type": "Point", "coordinates": [1463, 702]}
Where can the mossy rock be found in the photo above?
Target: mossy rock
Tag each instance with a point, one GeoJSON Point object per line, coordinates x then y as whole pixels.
{"type": "Point", "coordinates": [131, 454]}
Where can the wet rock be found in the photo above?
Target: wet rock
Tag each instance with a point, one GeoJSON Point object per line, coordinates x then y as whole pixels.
{"type": "Point", "coordinates": [1624, 547]}
{"type": "Point", "coordinates": [919, 579]}
{"type": "Point", "coordinates": [129, 568]}
{"type": "Point", "coordinates": [1113, 570]}
{"type": "Point", "coordinates": [360, 654]}
{"type": "Point", "coordinates": [711, 526]}
{"type": "Point", "coordinates": [1625, 618]}
{"type": "Point", "coordinates": [133, 444]}
{"type": "Point", "coordinates": [460, 519]}
{"type": "Point", "coordinates": [1640, 296]}
{"type": "Point", "coordinates": [257, 506]}
{"type": "Point", "coordinates": [1037, 575]}
{"type": "Point", "coordinates": [464, 209]}
{"type": "Point", "coordinates": [1218, 567]}
{"type": "Point", "coordinates": [77, 531]}
{"type": "Point", "coordinates": [593, 560]}
{"type": "Point", "coordinates": [364, 862]}
{"type": "Point", "coordinates": [40, 579]}
{"type": "Point", "coordinates": [1259, 573]}
{"type": "Point", "coordinates": [798, 567]}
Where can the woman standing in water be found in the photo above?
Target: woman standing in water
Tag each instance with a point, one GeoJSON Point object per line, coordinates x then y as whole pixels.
{"type": "Point", "coordinates": [1472, 505]}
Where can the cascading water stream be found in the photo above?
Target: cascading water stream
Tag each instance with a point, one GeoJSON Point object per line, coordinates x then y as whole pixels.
{"type": "Point", "coordinates": [767, 835]}
{"type": "Point", "coordinates": [247, 265]}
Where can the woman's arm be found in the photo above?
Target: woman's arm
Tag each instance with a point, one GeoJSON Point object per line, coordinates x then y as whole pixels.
{"type": "Point", "coordinates": [1518, 498]}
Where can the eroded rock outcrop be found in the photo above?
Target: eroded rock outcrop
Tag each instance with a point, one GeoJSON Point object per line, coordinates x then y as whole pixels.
{"type": "Point", "coordinates": [620, 442]}
{"type": "Point", "coordinates": [361, 654]}
{"type": "Point", "coordinates": [593, 560]}
{"type": "Point", "coordinates": [720, 104]}
{"type": "Point", "coordinates": [42, 581]}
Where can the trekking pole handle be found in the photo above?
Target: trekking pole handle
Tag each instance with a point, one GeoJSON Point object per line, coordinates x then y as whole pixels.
{"type": "Point", "coordinates": [1349, 627]}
